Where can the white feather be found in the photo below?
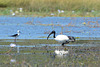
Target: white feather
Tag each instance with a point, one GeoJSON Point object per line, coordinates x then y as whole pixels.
{"type": "Point", "coordinates": [61, 38]}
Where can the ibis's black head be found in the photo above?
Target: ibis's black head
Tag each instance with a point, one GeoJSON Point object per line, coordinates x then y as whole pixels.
{"type": "Point", "coordinates": [53, 32]}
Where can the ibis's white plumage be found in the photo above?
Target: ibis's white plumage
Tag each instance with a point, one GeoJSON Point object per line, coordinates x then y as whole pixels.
{"type": "Point", "coordinates": [61, 38]}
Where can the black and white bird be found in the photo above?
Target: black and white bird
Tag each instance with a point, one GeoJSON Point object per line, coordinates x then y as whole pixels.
{"type": "Point", "coordinates": [16, 35]}
{"type": "Point", "coordinates": [62, 38]}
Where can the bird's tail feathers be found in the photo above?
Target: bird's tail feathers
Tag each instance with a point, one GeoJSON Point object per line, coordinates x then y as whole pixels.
{"type": "Point", "coordinates": [71, 39]}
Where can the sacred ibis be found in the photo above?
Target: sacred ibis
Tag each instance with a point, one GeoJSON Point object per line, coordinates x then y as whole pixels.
{"type": "Point", "coordinates": [62, 38]}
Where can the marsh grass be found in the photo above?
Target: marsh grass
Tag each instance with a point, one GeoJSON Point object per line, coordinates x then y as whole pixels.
{"type": "Point", "coordinates": [36, 61]}
{"type": "Point", "coordinates": [44, 41]}
{"type": "Point", "coordinates": [38, 56]}
{"type": "Point", "coordinates": [27, 13]}
{"type": "Point", "coordinates": [53, 5]}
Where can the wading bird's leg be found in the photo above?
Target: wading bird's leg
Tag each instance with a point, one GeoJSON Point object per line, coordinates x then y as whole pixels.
{"type": "Point", "coordinates": [67, 42]}
{"type": "Point", "coordinates": [63, 44]}
{"type": "Point", "coordinates": [15, 40]}
{"type": "Point", "coordinates": [64, 48]}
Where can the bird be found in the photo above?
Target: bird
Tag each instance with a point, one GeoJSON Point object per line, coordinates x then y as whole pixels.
{"type": "Point", "coordinates": [12, 44]}
{"type": "Point", "coordinates": [62, 38]}
{"type": "Point", "coordinates": [16, 35]}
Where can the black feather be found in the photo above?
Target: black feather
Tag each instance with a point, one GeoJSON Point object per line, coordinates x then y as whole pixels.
{"type": "Point", "coordinates": [15, 35]}
{"type": "Point", "coordinates": [71, 38]}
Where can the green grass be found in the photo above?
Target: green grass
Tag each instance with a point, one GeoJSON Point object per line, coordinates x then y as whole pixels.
{"type": "Point", "coordinates": [6, 11]}
{"type": "Point", "coordinates": [38, 60]}
{"type": "Point", "coordinates": [44, 8]}
{"type": "Point", "coordinates": [77, 57]}
{"type": "Point", "coordinates": [52, 5]}
{"type": "Point", "coordinates": [42, 41]}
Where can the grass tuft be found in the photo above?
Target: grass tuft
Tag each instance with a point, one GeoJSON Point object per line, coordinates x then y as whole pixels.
{"type": "Point", "coordinates": [52, 5]}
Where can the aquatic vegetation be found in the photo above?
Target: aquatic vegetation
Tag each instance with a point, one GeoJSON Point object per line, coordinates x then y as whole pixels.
{"type": "Point", "coordinates": [30, 23]}
{"type": "Point", "coordinates": [52, 14]}
{"type": "Point", "coordinates": [44, 55]}
{"type": "Point", "coordinates": [77, 37]}
{"type": "Point", "coordinates": [84, 23]}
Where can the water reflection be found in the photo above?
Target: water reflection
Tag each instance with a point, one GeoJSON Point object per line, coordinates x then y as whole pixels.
{"type": "Point", "coordinates": [47, 59]}
{"type": "Point", "coordinates": [13, 60]}
{"type": "Point", "coordinates": [76, 57]}
{"type": "Point", "coordinates": [42, 55]}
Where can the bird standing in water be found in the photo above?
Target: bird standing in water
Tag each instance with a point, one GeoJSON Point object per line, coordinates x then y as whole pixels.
{"type": "Point", "coordinates": [16, 35]}
{"type": "Point", "coordinates": [62, 38]}
{"type": "Point", "coordinates": [12, 44]}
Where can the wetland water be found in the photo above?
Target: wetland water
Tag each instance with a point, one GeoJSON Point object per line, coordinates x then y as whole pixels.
{"type": "Point", "coordinates": [36, 51]}
{"type": "Point", "coordinates": [44, 56]}
{"type": "Point", "coordinates": [40, 27]}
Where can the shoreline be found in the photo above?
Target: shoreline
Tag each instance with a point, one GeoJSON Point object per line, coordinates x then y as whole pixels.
{"type": "Point", "coordinates": [44, 41]}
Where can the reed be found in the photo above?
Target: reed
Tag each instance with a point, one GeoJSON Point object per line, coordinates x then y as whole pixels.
{"type": "Point", "coordinates": [52, 5]}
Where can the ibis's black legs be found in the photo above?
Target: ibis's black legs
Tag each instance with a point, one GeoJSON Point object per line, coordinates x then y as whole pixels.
{"type": "Point", "coordinates": [63, 44]}
{"type": "Point", "coordinates": [67, 42]}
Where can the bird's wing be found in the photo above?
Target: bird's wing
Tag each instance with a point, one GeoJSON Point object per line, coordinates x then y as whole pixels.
{"type": "Point", "coordinates": [71, 38]}
{"type": "Point", "coordinates": [62, 37]}
{"type": "Point", "coordinates": [14, 35]}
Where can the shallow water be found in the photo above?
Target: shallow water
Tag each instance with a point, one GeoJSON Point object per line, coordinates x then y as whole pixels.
{"type": "Point", "coordinates": [38, 53]}
{"type": "Point", "coordinates": [44, 56]}
{"type": "Point", "coordinates": [40, 27]}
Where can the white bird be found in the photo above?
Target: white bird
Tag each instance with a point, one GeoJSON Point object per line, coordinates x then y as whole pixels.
{"type": "Point", "coordinates": [62, 38]}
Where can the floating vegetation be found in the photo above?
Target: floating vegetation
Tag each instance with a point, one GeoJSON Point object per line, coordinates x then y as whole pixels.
{"type": "Point", "coordinates": [77, 37]}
